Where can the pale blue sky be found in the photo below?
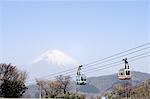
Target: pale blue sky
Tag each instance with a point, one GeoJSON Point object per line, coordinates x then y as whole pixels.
{"type": "Point", "coordinates": [85, 30]}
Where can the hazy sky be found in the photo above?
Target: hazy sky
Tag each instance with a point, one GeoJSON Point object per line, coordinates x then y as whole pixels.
{"type": "Point", "coordinates": [85, 30]}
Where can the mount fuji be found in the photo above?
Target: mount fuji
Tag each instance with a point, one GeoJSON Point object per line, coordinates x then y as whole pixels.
{"type": "Point", "coordinates": [49, 62]}
{"type": "Point", "coordinates": [56, 57]}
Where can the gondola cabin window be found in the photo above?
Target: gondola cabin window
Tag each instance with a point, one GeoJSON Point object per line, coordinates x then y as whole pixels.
{"type": "Point", "coordinates": [124, 74]}
{"type": "Point", "coordinates": [81, 79]}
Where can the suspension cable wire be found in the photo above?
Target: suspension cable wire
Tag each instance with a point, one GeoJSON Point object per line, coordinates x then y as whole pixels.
{"type": "Point", "coordinates": [116, 57]}
{"type": "Point", "coordinates": [118, 53]}
{"type": "Point", "coordinates": [90, 64]}
{"type": "Point", "coordinates": [121, 61]}
{"type": "Point", "coordinates": [106, 66]}
{"type": "Point", "coordinates": [132, 59]}
{"type": "Point", "coordinates": [113, 65]}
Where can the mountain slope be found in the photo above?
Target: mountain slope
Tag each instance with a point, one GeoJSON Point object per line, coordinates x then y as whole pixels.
{"type": "Point", "coordinates": [98, 85]}
{"type": "Point", "coordinates": [105, 83]}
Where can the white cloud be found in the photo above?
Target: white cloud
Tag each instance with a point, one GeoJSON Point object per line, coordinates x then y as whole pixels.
{"type": "Point", "coordinates": [56, 57]}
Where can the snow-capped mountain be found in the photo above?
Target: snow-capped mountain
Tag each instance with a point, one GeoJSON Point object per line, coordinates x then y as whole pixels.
{"type": "Point", "coordinates": [49, 62]}
{"type": "Point", "coordinates": [56, 57]}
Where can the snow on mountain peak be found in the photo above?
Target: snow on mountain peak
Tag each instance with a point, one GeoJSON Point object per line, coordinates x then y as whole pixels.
{"type": "Point", "coordinates": [56, 57]}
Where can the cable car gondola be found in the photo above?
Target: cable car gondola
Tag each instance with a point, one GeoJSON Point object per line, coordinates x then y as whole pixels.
{"type": "Point", "coordinates": [125, 73]}
{"type": "Point", "coordinates": [80, 78]}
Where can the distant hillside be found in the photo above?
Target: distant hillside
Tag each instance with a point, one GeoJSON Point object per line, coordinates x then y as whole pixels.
{"type": "Point", "coordinates": [98, 85]}
{"type": "Point", "coordinates": [104, 83]}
